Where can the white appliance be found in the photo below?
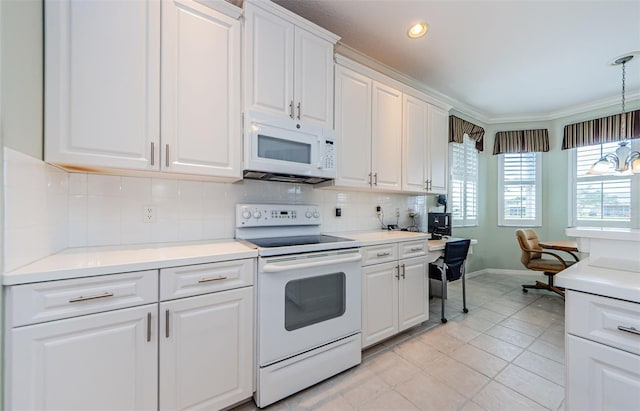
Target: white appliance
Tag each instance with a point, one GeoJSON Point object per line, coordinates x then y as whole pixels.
{"type": "Point", "coordinates": [308, 298]}
{"type": "Point", "coordinates": [282, 149]}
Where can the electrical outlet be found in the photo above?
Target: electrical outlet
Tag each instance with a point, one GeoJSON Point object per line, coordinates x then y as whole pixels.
{"type": "Point", "coordinates": [378, 210]}
{"type": "Point", "coordinates": [397, 212]}
{"type": "Point", "coordinates": [148, 214]}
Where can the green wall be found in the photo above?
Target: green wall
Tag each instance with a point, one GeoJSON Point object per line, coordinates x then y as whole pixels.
{"type": "Point", "coordinates": [497, 246]}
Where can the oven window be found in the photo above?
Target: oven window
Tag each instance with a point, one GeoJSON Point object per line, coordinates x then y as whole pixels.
{"type": "Point", "coordinates": [312, 300]}
{"type": "Point", "coordinates": [285, 150]}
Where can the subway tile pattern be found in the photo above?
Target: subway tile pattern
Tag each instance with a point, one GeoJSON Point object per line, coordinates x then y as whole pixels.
{"type": "Point", "coordinates": [48, 209]}
{"type": "Point", "coordinates": [483, 360]}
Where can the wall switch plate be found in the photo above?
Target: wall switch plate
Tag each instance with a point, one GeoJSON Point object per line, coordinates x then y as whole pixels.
{"type": "Point", "coordinates": [148, 214]}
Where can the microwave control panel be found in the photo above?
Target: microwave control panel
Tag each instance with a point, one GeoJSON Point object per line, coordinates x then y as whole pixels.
{"type": "Point", "coordinates": [264, 215]}
{"type": "Point", "coordinates": [329, 155]}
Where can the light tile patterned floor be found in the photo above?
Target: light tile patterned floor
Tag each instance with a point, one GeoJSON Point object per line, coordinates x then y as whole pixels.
{"type": "Point", "coordinates": [507, 353]}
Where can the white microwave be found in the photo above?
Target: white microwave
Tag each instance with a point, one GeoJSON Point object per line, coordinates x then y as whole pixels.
{"type": "Point", "coordinates": [281, 149]}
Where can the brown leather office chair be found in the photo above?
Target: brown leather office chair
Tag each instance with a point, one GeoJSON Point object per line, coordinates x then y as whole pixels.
{"type": "Point", "coordinates": [532, 259]}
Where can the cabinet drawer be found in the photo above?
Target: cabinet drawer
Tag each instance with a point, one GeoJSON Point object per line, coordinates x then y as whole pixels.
{"type": "Point", "coordinates": [377, 254]}
{"type": "Point", "coordinates": [52, 300]}
{"type": "Point", "coordinates": [178, 282]}
{"type": "Point", "coordinates": [412, 249]}
{"type": "Point", "coordinates": [606, 320]}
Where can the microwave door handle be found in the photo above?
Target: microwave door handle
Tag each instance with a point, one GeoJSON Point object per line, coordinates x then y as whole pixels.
{"type": "Point", "coordinates": [321, 155]}
{"type": "Point", "coordinates": [278, 268]}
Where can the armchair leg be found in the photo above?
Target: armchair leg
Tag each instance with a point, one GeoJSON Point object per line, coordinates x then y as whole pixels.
{"type": "Point", "coordinates": [544, 286]}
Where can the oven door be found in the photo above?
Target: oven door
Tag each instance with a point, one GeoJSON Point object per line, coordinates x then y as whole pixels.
{"type": "Point", "coordinates": [306, 301]}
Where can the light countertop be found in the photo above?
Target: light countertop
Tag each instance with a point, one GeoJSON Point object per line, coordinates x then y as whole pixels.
{"type": "Point", "coordinates": [88, 261]}
{"type": "Point", "coordinates": [377, 237]}
{"type": "Point", "coordinates": [624, 285]}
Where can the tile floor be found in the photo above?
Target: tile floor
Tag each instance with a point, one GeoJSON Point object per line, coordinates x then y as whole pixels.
{"type": "Point", "coordinates": [507, 353]}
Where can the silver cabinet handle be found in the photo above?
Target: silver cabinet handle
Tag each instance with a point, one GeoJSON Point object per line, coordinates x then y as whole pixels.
{"type": "Point", "coordinates": [631, 330]}
{"type": "Point", "coordinates": [299, 111]}
{"type": "Point", "coordinates": [375, 179]}
{"type": "Point", "coordinates": [426, 185]}
{"type": "Point", "coordinates": [153, 153]}
{"type": "Point", "coordinates": [210, 279]}
{"type": "Point", "coordinates": [166, 156]}
{"type": "Point", "coordinates": [383, 254]}
{"type": "Point", "coordinates": [397, 267]}
{"type": "Point", "coordinates": [404, 271]}
{"type": "Point", "coordinates": [148, 327]}
{"type": "Point", "coordinates": [370, 179]}
{"type": "Point", "coordinates": [416, 249]}
{"type": "Point", "coordinates": [291, 109]}
{"type": "Point", "coordinates": [91, 297]}
{"type": "Point", "coordinates": [166, 324]}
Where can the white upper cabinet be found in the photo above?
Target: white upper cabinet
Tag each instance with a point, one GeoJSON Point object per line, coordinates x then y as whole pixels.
{"type": "Point", "coordinates": [288, 64]}
{"type": "Point", "coordinates": [414, 144]}
{"type": "Point", "coordinates": [353, 128]}
{"type": "Point", "coordinates": [425, 147]}
{"type": "Point", "coordinates": [386, 138]}
{"type": "Point", "coordinates": [369, 132]}
{"type": "Point", "coordinates": [201, 122]}
{"type": "Point", "coordinates": [438, 149]}
{"type": "Point", "coordinates": [107, 104]}
{"type": "Point", "coordinates": [102, 76]}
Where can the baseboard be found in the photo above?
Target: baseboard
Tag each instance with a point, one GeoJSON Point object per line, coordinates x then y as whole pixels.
{"type": "Point", "coordinates": [499, 271]}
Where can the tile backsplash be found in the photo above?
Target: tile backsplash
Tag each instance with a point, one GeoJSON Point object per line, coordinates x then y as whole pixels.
{"type": "Point", "coordinates": [48, 209]}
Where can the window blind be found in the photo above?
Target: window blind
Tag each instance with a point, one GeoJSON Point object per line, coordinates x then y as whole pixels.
{"type": "Point", "coordinates": [463, 198]}
{"type": "Point", "coordinates": [520, 188]}
{"type": "Point", "coordinates": [600, 200]}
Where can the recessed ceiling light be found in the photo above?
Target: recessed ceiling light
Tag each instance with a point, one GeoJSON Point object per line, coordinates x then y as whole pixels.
{"type": "Point", "coordinates": [417, 30]}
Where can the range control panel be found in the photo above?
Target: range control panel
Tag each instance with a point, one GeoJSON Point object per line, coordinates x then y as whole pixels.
{"type": "Point", "coordinates": [266, 215]}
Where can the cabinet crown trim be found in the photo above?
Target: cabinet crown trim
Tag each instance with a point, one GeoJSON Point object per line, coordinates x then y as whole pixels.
{"type": "Point", "coordinates": [293, 18]}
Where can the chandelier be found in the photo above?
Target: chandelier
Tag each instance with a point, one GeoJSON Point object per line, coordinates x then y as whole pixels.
{"type": "Point", "coordinates": [623, 161]}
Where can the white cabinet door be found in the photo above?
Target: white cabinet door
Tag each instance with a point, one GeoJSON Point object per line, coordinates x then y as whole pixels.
{"type": "Point", "coordinates": [379, 302]}
{"type": "Point", "coordinates": [206, 350]}
{"type": "Point", "coordinates": [201, 113]}
{"type": "Point", "coordinates": [269, 62]}
{"type": "Point", "coordinates": [386, 138]}
{"type": "Point", "coordinates": [102, 77]}
{"type": "Point", "coordinates": [601, 377]}
{"type": "Point", "coordinates": [353, 128]}
{"type": "Point", "coordinates": [438, 149]}
{"type": "Point", "coordinates": [413, 292]}
{"type": "Point", "coordinates": [415, 115]}
{"type": "Point", "coordinates": [104, 361]}
{"type": "Point", "coordinates": [313, 83]}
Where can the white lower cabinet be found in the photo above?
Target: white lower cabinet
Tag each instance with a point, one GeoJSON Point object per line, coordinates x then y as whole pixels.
{"type": "Point", "coordinates": [600, 377]}
{"type": "Point", "coordinates": [395, 293]}
{"type": "Point", "coordinates": [109, 342]}
{"type": "Point", "coordinates": [105, 361]}
{"type": "Point", "coordinates": [602, 353]}
{"type": "Point", "coordinates": [206, 350]}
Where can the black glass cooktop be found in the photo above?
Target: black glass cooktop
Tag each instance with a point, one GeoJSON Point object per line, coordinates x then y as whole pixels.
{"type": "Point", "coordinates": [296, 240]}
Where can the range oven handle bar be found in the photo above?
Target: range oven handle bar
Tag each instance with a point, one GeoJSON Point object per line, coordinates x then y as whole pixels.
{"type": "Point", "coordinates": [278, 268]}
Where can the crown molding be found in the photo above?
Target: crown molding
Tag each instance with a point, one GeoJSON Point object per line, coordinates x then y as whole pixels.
{"type": "Point", "coordinates": [469, 110]}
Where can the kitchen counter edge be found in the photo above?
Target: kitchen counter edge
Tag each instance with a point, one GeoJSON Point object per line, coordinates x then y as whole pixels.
{"type": "Point", "coordinates": [91, 261]}
{"type": "Point", "coordinates": [623, 285]}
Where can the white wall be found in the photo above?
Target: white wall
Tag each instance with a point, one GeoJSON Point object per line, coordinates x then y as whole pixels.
{"type": "Point", "coordinates": [48, 209]}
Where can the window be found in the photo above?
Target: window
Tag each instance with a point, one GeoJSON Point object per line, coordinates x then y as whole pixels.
{"type": "Point", "coordinates": [519, 189]}
{"type": "Point", "coordinates": [603, 201]}
{"type": "Point", "coordinates": [463, 196]}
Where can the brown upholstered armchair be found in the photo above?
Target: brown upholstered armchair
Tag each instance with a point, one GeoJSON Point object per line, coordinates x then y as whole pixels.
{"type": "Point", "coordinates": [532, 259]}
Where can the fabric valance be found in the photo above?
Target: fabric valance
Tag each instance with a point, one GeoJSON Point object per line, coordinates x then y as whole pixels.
{"type": "Point", "coordinates": [521, 141]}
{"type": "Point", "coordinates": [459, 127]}
{"type": "Point", "coordinates": [602, 130]}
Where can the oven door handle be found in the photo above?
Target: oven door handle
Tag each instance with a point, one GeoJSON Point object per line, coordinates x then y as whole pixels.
{"type": "Point", "coordinates": [277, 268]}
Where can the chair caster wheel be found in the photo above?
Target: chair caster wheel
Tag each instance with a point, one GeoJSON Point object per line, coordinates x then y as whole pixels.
{"type": "Point", "coordinates": [524, 290]}
{"type": "Point", "coordinates": [464, 310]}
{"type": "Point", "coordinates": [444, 320]}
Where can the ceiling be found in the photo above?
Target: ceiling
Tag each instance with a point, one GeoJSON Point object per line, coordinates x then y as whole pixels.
{"type": "Point", "coordinates": [498, 61]}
